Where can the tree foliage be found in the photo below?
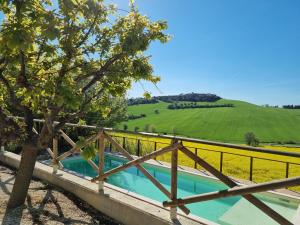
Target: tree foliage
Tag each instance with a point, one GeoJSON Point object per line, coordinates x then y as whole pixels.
{"type": "Point", "coordinates": [134, 117]}
{"type": "Point", "coordinates": [63, 60]}
{"type": "Point", "coordinates": [189, 97]}
{"type": "Point", "coordinates": [291, 106]}
{"type": "Point", "coordinates": [139, 101]}
{"type": "Point", "coordinates": [194, 105]}
{"type": "Point", "coordinates": [251, 139]}
{"type": "Point", "coordinates": [116, 113]}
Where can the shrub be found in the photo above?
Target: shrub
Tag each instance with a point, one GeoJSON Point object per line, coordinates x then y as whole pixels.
{"type": "Point", "coordinates": [138, 101]}
{"type": "Point", "coordinates": [290, 142]}
{"type": "Point", "coordinates": [147, 128]}
{"type": "Point", "coordinates": [153, 129]}
{"type": "Point", "coordinates": [134, 117]}
{"type": "Point", "coordinates": [136, 129]}
{"type": "Point", "coordinates": [156, 111]}
{"type": "Point", "coordinates": [125, 127]}
{"type": "Point", "coordinates": [251, 140]}
{"type": "Point", "coordinates": [174, 131]}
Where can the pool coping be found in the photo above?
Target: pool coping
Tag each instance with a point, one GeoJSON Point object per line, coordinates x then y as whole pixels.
{"type": "Point", "coordinates": [127, 208]}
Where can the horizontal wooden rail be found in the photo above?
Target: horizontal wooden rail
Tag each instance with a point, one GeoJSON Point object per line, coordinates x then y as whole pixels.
{"type": "Point", "coordinates": [226, 180]}
{"type": "Point", "coordinates": [139, 160]}
{"type": "Point", "coordinates": [273, 185]}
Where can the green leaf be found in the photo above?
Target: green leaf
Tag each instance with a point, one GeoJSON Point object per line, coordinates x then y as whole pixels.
{"type": "Point", "coordinates": [89, 152]}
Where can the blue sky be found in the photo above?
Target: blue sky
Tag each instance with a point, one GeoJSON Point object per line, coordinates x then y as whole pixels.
{"type": "Point", "coordinates": [238, 49]}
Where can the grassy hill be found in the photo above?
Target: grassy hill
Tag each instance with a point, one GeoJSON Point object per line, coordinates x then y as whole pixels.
{"type": "Point", "coordinates": [220, 124]}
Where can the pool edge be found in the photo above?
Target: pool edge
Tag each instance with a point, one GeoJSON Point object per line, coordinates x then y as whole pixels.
{"type": "Point", "coordinates": [133, 211]}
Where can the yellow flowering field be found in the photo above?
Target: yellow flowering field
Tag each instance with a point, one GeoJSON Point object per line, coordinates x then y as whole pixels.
{"type": "Point", "coordinates": [236, 162]}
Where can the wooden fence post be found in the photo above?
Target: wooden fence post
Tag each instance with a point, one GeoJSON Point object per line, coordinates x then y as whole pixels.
{"type": "Point", "coordinates": [2, 149]}
{"type": "Point", "coordinates": [174, 162]}
{"type": "Point", "coordinates": [101, 163]}
{"type": "Point", "coordinates": [55, 154]}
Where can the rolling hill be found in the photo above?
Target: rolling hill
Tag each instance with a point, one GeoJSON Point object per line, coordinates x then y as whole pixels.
{"type": "Point", "coordinates": [226, 124]}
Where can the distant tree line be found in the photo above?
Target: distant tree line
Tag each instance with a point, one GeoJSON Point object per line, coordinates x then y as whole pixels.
{"type": "Point", "coordinates": [190, 97]}
{"type": "Point", "coordinates": [139, 101]}
{"type": "Point", "coordinates": [270, 106]}
{"type": "Point", "coordinates": [194, 105]}
{"type": "Point", "coordinates": [134, 117]}
{"type": "Point", "coordinates": [291, 106]}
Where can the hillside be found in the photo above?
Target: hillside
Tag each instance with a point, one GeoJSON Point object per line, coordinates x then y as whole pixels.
{"type": "Point", "coordinates": [220, 124]}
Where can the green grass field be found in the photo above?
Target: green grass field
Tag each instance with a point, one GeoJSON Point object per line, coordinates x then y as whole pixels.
{"type": "Point", "coordinates": [221, 124]}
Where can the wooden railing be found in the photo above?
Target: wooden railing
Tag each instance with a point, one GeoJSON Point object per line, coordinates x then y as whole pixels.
{"type": "Point", "coordinates": [175, 146]}
{"type": "Point", "coordinates": [139, 143]}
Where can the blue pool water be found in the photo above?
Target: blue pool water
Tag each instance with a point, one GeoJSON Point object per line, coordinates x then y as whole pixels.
{"type": "Point", "coordinates": [133, 180]}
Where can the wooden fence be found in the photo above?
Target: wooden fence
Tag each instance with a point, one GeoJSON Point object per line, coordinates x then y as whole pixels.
{"type": "Point", "coordinates": [286, 163]}
{"type": "Point", "coordinates": [175, 146]}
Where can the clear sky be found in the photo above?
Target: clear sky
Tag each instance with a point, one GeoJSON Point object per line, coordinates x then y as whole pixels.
{"type": "Point", "coordinates": [238, 49]}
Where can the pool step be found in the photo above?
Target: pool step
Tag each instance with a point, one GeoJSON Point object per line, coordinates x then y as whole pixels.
{"type": "Point", "coordinates": [296, 219]}
{"type": "Point", "coordinates": [245, 213]}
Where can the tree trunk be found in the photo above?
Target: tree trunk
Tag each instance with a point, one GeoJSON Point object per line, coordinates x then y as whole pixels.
{"type": "Point", "coordinates": [22, 181]}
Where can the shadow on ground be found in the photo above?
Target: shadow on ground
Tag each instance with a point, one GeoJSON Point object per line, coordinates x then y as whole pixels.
{"type": "Point", "coordinates": [46, 204]}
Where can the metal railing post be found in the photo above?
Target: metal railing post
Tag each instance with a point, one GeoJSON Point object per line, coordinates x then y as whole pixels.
{"type": "Point", "coordinates": [251, 169]}
{"type": "Point", "coordinates": [138, 147]}
{"type": "Point", "coordinates": [221, 162]}
{"type": "Point", "coordinates": [196, 153]}
{"type": "Point", "coordinates": [287, 168]}
{"type": "Point", "coordinates": [124, 142]}
{"type": "Point", "coordinates": [155, 148]}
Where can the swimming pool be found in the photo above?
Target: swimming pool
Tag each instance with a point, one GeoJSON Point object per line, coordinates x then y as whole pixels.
{"type": "Point", "coordinates": [231, 210]}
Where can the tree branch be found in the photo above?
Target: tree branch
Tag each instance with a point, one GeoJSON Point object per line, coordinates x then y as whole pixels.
{"type": "Point", "coordinates": [10, 130]}
{"type": "Point", "coordinates": [100, 73]}
{"type": "Point", "coordinates": [86, 36]}
{"type": "Point", "coordinates": [14, 100]}
{"type": "Point", "coordinates": [81, 112]}
{"type": "Point", "coordinates": [22, 79]}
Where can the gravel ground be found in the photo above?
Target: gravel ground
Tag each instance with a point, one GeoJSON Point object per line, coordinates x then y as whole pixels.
{"type": "Point", "coordinates": [46, 204]}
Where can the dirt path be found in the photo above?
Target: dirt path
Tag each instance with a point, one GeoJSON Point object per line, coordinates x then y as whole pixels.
{"type": "Point", "coordinates": [46, 204]}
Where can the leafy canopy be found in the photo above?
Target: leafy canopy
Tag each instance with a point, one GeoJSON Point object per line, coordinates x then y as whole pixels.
{"type": "Point", "coordinates": [60, 60]}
